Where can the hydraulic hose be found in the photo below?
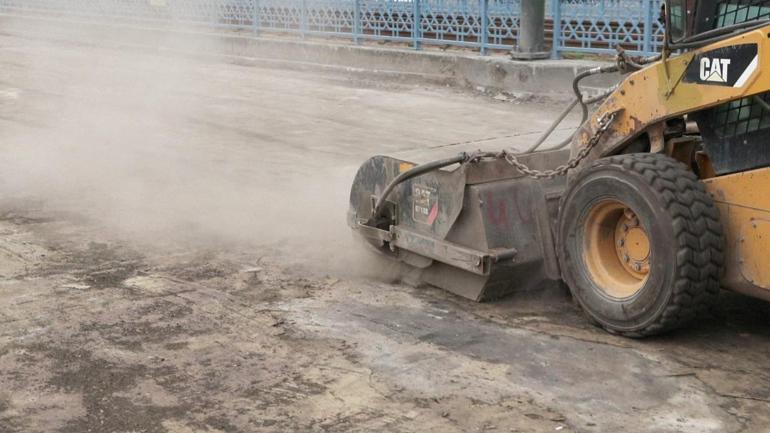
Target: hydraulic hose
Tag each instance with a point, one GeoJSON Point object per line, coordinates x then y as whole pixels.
{"type": "Point", "coordinates": [464, 157]}
{"type": "Point", "coordinates": [553, 126]}
{"type": "Point", "coordinates": [642, 63]}
{"type": "Point", "coordinates": [568, 140]}
{"type": "Point", "coordinates": [579, 94]}
{"type": "Point", "coordinates": [578, 100]}
{"type": "Point", "coordinates": [412, 173]}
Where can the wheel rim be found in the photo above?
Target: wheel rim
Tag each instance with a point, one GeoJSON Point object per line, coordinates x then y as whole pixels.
{"type": "Point", "coordinates": [616, 249]}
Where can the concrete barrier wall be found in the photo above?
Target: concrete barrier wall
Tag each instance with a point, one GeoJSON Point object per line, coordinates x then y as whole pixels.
{"type": "Point", "coordinates": [546, 78]}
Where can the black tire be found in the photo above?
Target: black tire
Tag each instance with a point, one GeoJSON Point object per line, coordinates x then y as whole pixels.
{"type": "Point", "coordinates": [685, 243]}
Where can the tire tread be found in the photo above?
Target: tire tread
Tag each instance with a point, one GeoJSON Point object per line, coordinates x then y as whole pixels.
{"type": "Point", "coordinates": [698, 233]}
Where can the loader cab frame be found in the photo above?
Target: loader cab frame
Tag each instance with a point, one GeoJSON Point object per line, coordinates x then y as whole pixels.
{"type": "Point", "coordinates": [734, 133]}
{"type": "Point", "coordinates": [675, 14]}
{"type": "Point", "coordinates": [686, 19]}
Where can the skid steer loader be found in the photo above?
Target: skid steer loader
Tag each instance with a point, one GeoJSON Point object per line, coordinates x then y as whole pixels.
{"type": "Point", "coordinates": [661, 198]}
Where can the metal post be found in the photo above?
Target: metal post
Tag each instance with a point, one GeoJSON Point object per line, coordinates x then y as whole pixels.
{"type": "Point", "coordinates": [647, 44]}
{"type": "Point", "coordinates": [303, 19]}
{"type": "Point", "coordinates": [484, 31]}
{"type": "Point", "coordinates": [556, 12]}
{"type": "Point", "coordinates": [416, 24]}
{"type": "Point", "coordinates": [357, 21]}
{"type": "Point", "coordinates": [255, 17]}
{"type": "Point", "coordinates": [531, 44]}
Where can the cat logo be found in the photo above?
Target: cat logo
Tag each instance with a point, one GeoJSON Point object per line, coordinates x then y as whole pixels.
{"type": "Point", "coordinates": [733, 66]}
{"type": "Point", "coordinates": [714, 70]}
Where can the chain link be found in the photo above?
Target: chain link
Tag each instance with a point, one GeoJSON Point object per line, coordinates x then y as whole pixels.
{"type": "Point", "coordinates": [604, 124]}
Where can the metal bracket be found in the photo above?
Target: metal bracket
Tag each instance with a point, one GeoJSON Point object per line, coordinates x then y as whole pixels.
{"type": "Point", "coordinates": [468, 259]}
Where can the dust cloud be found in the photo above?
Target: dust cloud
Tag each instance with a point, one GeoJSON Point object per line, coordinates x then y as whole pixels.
{"type": "Point", "coordinates": [166, 150]}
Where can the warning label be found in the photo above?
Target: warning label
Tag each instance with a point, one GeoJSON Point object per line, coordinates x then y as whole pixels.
{"type": "Point", "coordinates": [425, 204]}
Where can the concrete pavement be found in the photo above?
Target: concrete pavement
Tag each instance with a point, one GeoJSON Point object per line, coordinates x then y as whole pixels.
{"type": "Point", "coordinates": [174, 259]}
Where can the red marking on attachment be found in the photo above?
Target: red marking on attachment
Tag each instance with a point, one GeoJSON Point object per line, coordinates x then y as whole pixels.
{"type": "Point", "coordinates": [433, 214]}
{"type": "Point", "coordinates": [497, 211]}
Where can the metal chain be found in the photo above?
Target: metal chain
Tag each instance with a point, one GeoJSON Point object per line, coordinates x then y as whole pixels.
{"type": "Point", "coordinates": [604, 124]}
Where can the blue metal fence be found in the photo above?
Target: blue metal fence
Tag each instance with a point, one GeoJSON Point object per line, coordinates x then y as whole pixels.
{"type": "Point", "coordinates": [595, 26]}
{"type": "Point", "coordinates": [601, 25]}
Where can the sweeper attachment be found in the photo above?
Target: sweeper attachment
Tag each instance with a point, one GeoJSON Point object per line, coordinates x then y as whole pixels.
{"type": "Point", "coordinates": [662, 197]}
{"type": "Point", "coordinates": [473, 230]}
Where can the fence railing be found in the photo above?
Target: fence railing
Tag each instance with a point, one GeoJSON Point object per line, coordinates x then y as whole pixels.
{"type": "Point", "coordinates": [599, 25]}
{"type": "Point", "coordinates": [595, 26]}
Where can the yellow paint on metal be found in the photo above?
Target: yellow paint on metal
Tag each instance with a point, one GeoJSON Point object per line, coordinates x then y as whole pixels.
{"type": "Point", "coordinates": [405, 166]}
{"type": "Point", "coordinates": [643, 97]}
{"type": "Point", "coordinates": [749, 189]}
{"type": "Point", "coordinates": [743, 200]}
{"type": "Point", "coordinates": [632, 244]}
{"type": "Point", "coordinates": [619, 269]}
{"type": "Point", "coordinates": [754, 248]}
{"type": "Point", "coordinates": [638, 244]}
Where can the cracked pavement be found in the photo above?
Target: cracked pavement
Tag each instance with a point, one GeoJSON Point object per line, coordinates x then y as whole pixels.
{"type": "Point", "coordinates": [173, 258]}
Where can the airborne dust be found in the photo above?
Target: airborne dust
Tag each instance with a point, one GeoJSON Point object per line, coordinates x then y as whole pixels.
{"type": "Point", "coordinates": [167, 150]}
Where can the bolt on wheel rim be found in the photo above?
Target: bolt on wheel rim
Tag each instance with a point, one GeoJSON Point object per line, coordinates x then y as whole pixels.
{"type": "Point", "coordinates": [616, 249]}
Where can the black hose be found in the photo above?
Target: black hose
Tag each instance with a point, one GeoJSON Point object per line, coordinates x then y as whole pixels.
{"type": "Point", "coordinates": [642, 62]}
{"type": "Point", "coordinates": [464, 157]}
{"type": "Point", "coordinates": [578, 94]}
{"type": "Point", "coordinates": [578, 100]}
{"type": "Point", "coordinates": [553, 126]}
{"type": "Point", "coordinates": [585, 74]}
{"type": "Point", "coordinates": [412, 173]}
{"type": "Point", "coordinates": [568, 140]}
{"type": "Point", "coordinates": [561, 118]}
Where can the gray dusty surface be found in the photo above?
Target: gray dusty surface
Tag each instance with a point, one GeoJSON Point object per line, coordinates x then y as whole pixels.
{"type": "Point", "coordinates": [173, 258]}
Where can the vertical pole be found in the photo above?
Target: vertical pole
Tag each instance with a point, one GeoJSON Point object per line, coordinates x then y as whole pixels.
{"type": "Point", "coordinates": [531, 41]}
{"type": "Point", "coordinates": [556, 12]}
{"type": "Point", "coordinates": [416, 24]}
{"type": "Point", "coordinates": [255, 17]}
{"type": "Point", "coordinates": [357, 21]}
{"type": "Point", "coordinates": [647, 44]}
{"type": "Point", "coordinates": [303, 19]}
{"type": "Point", "coordinates": [484, 31]}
